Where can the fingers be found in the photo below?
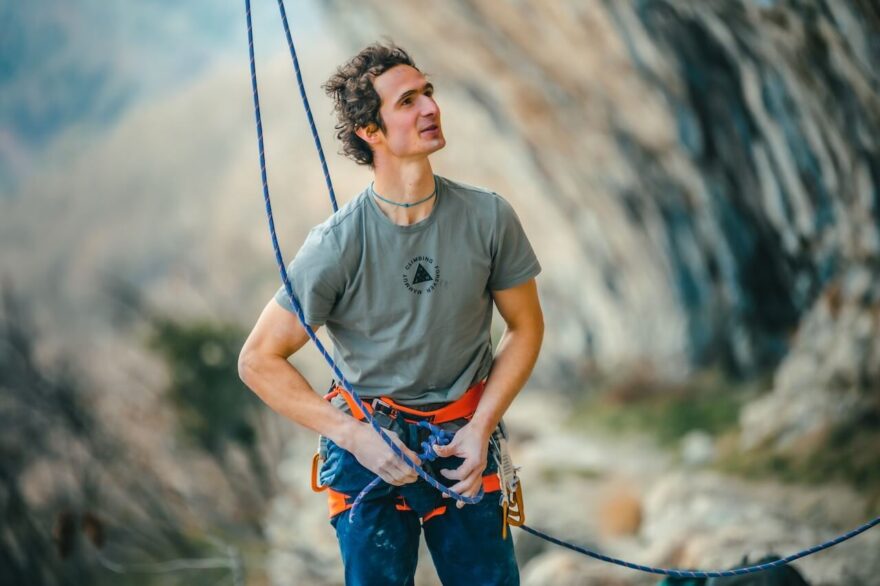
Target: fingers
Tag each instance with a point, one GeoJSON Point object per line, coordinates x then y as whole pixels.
{"type": "Point", "coordinates": [469, 473]}
{"type": "Point", "coordinates": [468, 487]}
{"type": "Point", "coordinates": [393, 469]}
{"type": "Point", "coordinates": [409, 453]}
{"type": "Point", "coordinates": [398, 477]}
{"type": "Point", "coordinates": [374, 454]}
{"type": "Point", "coordinates": [444, 451]}
{"type": "Point", "coordinates": [455, 474]}
{"type": "Point", "coordinates": [470, 480]}
{"type": "Point", "coordinates": [467, 469]}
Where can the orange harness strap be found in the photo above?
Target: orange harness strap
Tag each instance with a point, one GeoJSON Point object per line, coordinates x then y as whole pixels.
{"type": "Point", "coordinates": [435, 513]}
{"type": "Point", "coordinates": [491, 483]}
{"type": "Point", "coordinates": [339, 502]}
{"type": "Point", "coordinates": [461, 408]}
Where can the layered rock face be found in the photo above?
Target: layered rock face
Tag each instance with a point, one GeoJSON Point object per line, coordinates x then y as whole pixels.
{"type": "Point", "coordinates": [829, 380]}
{"type": "Point", "coordinates": [694, 175]}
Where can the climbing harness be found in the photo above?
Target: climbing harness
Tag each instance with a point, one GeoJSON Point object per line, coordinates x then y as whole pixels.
{"type": "Point", "coordinates": [384, 410]}
{"type": "Point", "coordinates": [436, 422]}
{"type": "Point", "coordinates": [350, 394]}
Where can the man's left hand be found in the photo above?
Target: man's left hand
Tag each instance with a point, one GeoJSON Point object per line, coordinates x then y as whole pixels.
{"type": "Point", "coordinates": [471, 444]}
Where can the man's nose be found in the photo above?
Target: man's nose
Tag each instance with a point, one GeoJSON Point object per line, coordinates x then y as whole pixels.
{"type": "Point", "coordinates": [429, 106]}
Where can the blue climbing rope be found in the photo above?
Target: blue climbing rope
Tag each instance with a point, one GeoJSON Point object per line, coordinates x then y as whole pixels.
{"type": "Point", "coordinates": [305, 100]}
{"type": "Point", "coordinates": [704, 573]}
{"type": "Point", "coordinates": [444, 437]}
{"type": "Point", "coordinates": [438, 437]}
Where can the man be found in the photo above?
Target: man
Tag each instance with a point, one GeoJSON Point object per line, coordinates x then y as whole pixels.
{"type": "Point", "coordinates": [404, 277]}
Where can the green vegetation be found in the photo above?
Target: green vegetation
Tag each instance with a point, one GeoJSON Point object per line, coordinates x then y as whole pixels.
{"type": "Point", "coordinates": [848, 453]}
{"type": "Point", "coordinates": [215, 411]}
{"type": "Point", "coordinates": [711, 402]}
{"type": "Point", "coordinates": [213, 405]}
{"type": "Point", "coordinates": [639, 404]}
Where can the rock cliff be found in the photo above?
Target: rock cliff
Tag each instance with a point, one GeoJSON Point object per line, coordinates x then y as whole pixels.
{"type": "Point", "coordinates": [698, 177]}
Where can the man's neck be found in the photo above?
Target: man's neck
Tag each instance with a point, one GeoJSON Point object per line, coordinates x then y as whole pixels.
{"type": "Point", "coordinates": [405, 182]}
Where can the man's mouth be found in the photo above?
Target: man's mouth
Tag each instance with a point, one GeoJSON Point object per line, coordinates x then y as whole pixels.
{"type": "Point", "coordinates": [431, 128]}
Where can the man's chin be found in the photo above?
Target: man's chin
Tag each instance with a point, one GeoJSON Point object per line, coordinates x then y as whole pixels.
{"type": "Point", "coordinates": [438, 144]}
{"type": "Point", "coordinates": [426, 149]}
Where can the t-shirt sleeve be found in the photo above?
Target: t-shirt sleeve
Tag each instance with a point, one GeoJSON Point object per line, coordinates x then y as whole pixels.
{"type": "Point", "coordinates": [316, 276]}
{"type": "Point", "coordinates": [513, 260]}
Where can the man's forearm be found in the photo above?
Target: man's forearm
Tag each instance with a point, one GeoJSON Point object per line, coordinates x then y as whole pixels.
{"type": "Point", "coordinates": [287, 392]}
{"type": "Point", "coordinates": [514, 361]}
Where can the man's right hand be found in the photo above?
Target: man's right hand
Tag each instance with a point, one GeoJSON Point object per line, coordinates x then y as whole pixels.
{"type": "Point", "coordinates": [374, 454]}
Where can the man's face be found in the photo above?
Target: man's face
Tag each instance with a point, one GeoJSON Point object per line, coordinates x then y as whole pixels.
{"type": "Point", "coordinates": [409, 112]}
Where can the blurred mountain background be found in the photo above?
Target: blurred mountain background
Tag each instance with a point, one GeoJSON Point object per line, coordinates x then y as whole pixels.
{"type": "Point", "coordinates": [701, 182]}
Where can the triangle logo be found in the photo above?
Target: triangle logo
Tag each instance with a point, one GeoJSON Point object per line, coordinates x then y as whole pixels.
{"type": "Point", "coordinates": [421, 276]}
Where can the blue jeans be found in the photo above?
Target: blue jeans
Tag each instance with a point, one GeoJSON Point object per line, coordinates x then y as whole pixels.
{"type": "Point", "coordinates": [380, 545]}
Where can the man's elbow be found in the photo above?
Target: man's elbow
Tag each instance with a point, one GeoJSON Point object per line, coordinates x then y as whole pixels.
{"type": "Point", "coordinates": [246, 365]}
{"type": "Point", "coordinates": [530, 327]}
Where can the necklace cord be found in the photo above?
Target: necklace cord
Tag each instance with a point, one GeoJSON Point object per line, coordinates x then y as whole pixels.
{"type": "Point", "coordinates": [404, 205]}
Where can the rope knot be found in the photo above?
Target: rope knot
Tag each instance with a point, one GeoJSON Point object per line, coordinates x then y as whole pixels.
{"type": "Point", "coordinates": [438, 436]}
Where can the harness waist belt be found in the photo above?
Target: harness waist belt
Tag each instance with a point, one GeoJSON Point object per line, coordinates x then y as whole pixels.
{"type": "Point", "coordinates": [462, 408]}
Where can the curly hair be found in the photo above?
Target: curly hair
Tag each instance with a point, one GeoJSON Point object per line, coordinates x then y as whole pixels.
{"type": "Point", "coordinates": [355, 101]}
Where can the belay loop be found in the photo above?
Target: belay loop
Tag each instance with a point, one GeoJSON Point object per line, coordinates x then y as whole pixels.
{"type": "Point", "coordinates": [357, 400]}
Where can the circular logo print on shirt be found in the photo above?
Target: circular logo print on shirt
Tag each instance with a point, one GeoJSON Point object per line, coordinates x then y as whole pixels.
{"type": "Point", "coordinates": [421, 275]}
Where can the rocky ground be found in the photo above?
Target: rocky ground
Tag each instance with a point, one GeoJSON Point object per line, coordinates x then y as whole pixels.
{"type": "Point", "coordinates": [620, 495]}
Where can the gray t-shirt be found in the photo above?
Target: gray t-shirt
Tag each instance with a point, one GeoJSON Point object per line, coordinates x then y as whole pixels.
{"type": "Point", "coordinates": [409, 308]}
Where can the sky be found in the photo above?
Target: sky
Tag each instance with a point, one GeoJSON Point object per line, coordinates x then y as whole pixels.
{"type": "Point", "coordinates": [82, 64]}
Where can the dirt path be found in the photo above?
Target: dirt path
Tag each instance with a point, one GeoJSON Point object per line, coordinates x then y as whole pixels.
{"type": "Point", "coordinates": [623, 496]}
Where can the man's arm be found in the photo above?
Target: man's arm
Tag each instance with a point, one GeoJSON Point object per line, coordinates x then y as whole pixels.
{"type": "Point", "coordinates": [517, 353]}
{"type": "Point", "coordinates": [263, 367]}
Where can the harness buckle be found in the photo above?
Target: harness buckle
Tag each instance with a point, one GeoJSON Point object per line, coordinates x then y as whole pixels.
{"type": "Point", "coordinates": [383, 413]}
{"type": "Point", "coordinates": [381, 406]}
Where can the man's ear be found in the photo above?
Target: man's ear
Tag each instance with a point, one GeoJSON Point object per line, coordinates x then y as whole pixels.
{"type": "Point", "coordinates": [368, 133]}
